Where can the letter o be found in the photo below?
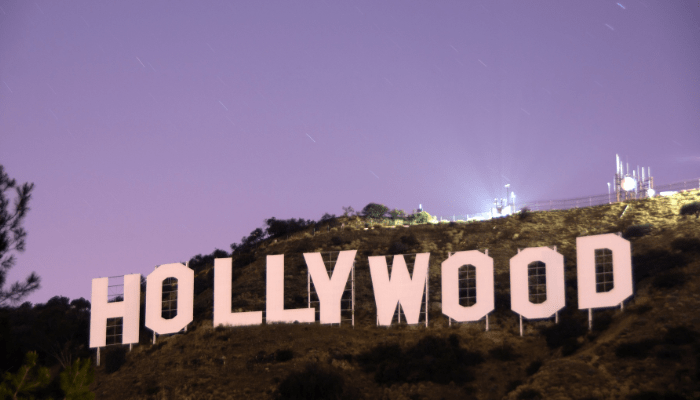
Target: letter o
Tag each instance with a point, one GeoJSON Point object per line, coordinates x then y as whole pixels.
{"type": "Point", "coordinates": [154, 298]}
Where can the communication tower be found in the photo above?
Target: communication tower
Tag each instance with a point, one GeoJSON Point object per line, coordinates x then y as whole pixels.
{"type": "Point", "coordinates": [632, 186]}
{"type": "Point", "coordinates": [505, 206]}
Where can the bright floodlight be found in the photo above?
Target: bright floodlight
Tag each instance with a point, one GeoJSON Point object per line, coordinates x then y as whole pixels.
{"type": "Point", "coordinates": [651, 192]}
{"type": "Point", "coordinates": [629, 183]}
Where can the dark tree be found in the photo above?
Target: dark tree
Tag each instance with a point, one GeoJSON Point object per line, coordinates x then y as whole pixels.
{"type": "Point", "coordinates": [348, 211]}
{"type": "Point", "coordinates": [327, 217]}
{"type": "Point", "coordinates": [200, 262]}
{"type": "Point", "coordinates": [279, 227]}
{"type": "Point", "coordinates": [248, 242]}
{"type": "Point", "coordinates": [690, 209]}
{"type": "Point", "coordinates": [374, 210]}
{"type": "Point", "coordinates": [12, 237]}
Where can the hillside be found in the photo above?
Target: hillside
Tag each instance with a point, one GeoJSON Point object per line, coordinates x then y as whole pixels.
{"type": "Point", "coordinates": [648, 350]}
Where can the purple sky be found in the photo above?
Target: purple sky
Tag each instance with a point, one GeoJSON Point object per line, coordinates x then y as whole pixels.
{"type": "Point", "coordinates": [155, 130]}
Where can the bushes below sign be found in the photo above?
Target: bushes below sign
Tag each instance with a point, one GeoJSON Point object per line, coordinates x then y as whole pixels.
{"type": "Point", "coordinates": [432, 359]}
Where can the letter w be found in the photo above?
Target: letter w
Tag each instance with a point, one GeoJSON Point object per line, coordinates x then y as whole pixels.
{"type": "Point", "coordinates": [400, 289]}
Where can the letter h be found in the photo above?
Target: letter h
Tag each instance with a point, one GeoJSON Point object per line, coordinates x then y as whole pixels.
{"type": "Point", "coordinates": [101, 309]}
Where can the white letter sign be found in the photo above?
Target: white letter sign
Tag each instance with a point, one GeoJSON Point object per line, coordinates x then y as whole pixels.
{"type": "Point", "coordinates": [154, 298]}
{"type": "Point", "coordinates": [604, 272]}
{"type": "Point", "coordinates": [222, 298]}
{"type": "Point", "coordinates": [519, 294]}
{"type": "Point", "coordinates": [586, 270]}
{"type": "Point", "coordinates": [483, 265]}
{"type": "Point", "coordinates": [275, 296]}
{"type": "Point", "coordinates": [128, 309]}
{"type": "Point", "coordinates": [330, 291]}
{"type": "Point", "coordinates": [400, 288]}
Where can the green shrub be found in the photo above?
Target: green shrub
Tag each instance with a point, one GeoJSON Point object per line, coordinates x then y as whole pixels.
{"type": "Point", "coordinates": [76, 380]}
{"type": "Point", "coordinates": [690, 209]}
{"type": "Point", "coordinates": [602, 320]}
{"type": "Point", "coordinates": [640, 309]}
{"type": "Point", "coordinates": [341, 356]}
{"type": "Point", "coordinates": [530, 394]}
{"type": "Point", "coordinates": [639, 349]}
{"type": "Point", "coordinates": [422, 218]}
{"type": "Point", "coordinates": [686, 244]}
{"type": "Point", "coordinates": [249, 242]}
{"type": "Point", "coordinates": [680, 335]}
{"type": "Point", "coordinates": [669, 280]}
{"type": "Point", "coordinates": [635, 231]}
{"type": "Point", "coordinates": [304, 245]}
{"type": "Point", "coordinates": [524, 214]}
{"type": "Point", "coordinates": [282, 227]}
{"type": "Point", "coordinates": [28, 380]}
{"type": "Point", "coordinates": [501, 302]}
{"type": "Point", "coordinates": [348, 211]}
{"type": "Point", "coordinates": [512, 385]}
{"type": "Point", "coordinates": [374, 210]}
{"type": "Point", "coordinates": [569, 327]}
{"type": "Point", "coordinates": [327, 217]}
{"type": "Point", "coordinates": [533, 367]}
{"type": "Point", "coordinates": [397, 213]}
{"type": "Point", "coordinates": [669, 352]}
{"type": "Point", "coordinates": [431, 359]}
{"type": "Point", "coordinates": [204, 281]}
{"type": "Point", "coordinates": [280, 355]}
{"type": "Point", "coordinates": [653, 395]}
{"type": "Point", "coordinates": [315, 382]}
{"type": "Point", "coordinates": [655, 262]}
{"type": "Point", "coordinates": [114, 358]}
{"type": "Point", "coordinates": [398, 248]}
{"type": "Point", "coordinates": [151, 386]}
{"type": "Point", "coordinates": [154, 347]}
{"type": "Point", "coordinates": [505, 352]}
{"type": "Point", "coordinates": [200, 262]}
{"type": "Point", "coordinates": [569, 347]}
{"type": "Point", "coordinates": [410, 240]}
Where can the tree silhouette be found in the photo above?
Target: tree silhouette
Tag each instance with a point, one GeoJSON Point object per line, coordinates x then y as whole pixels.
{"type": "Point", "coordinates": [374, 210]}
{"type": "Point", "coordinates": [690, 209]}
{"type": "Point", "coordinates": [12, 237]}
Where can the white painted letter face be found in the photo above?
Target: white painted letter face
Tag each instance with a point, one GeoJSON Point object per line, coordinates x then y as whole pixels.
{"type": "Point", "coordinates": [275, 296]}
{"type": "Point", "coordinates": [222, 298]}
{"type": "Point", "coordinates": [586, 273]}
{"type": "Point", "coordinates": [484, 283]}
{"type": "Point", "coordinates": [519, 295]}
{"type": "Point", "coordinates": [400, 288]}
{"type": "Point", "coordinates": [330, 290]}
{"type": "Point", "coordinates": [154, 298]}
{"type": "Point", "coordinates": [128, 309]}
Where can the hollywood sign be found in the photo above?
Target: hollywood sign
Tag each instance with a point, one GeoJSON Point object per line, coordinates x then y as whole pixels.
{"type": "Point", "coordinates": [389, 291]}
